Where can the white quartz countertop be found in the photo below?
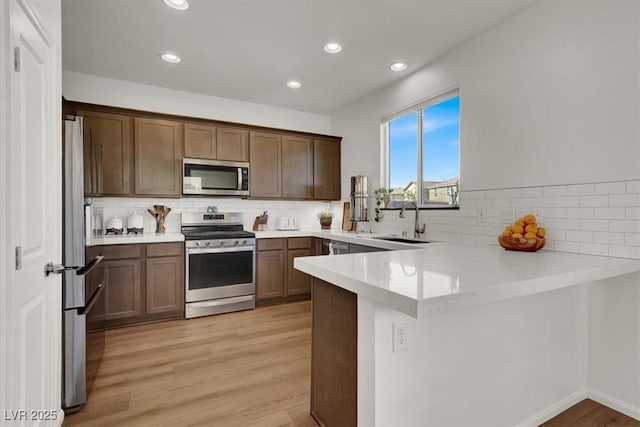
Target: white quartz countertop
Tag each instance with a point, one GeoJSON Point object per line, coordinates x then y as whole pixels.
{"type": "Point", "coordinates": [448, 276]}
{"type": "Point", "coordinates": [136, 238]}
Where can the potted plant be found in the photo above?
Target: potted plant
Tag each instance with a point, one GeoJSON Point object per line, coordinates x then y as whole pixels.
{"type": "Point", "coordinates": [382, 199]}
{"type": "Point", "coordinates": [326, 218]}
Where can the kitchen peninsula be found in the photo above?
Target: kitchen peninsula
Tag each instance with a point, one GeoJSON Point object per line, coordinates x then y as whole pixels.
{"type": "Point", "coordinates": [457, 334]}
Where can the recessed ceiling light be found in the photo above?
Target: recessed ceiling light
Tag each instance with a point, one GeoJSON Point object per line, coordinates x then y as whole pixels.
{"type": "Point", "coordinates": [177, 4]}
{"type": "Point", "coordinates": [170, 57]}
{"type": "Point", "coordinates": [398, 66]}
{"type": "Point", "coordinates": [332, 47]}
{"type": "Point", "coordinates": [293, 84]}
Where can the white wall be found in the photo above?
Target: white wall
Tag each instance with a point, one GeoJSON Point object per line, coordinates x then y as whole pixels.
{"type": "Point", "coordinates": [119, 93]}
{"type": "Point", "coordinates": [550, 96]}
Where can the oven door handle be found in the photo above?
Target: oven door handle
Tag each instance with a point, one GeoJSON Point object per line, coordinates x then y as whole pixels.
{"type": "Point", "coordinates": [196, 251]}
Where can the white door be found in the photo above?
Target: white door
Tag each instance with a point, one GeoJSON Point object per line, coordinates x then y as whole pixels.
{"type": "Point", "coordinates": [32, 366]}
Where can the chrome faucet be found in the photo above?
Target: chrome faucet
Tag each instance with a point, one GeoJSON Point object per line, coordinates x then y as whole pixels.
{"type": "Point", "coordinates": [417, 230]}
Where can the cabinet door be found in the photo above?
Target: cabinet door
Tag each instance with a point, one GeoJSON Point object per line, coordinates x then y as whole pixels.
{"type": "Point", "coordinates": [233, 144]}
{"type": "Point", "coordinates": [265, 165]}
{"type": "Point", "coordinates": [297, 168]}
{"type": "Point", "coordinates": [165, 285]}
{"type": "Point", "coordinates": [200, 141]}
{"type": "Point", "coordinates": [122, 296]}
{"type": "Point", "coordinates": [326, 169]}
{"type": "Point", "coordinates": [158, 148]}
{"type": "Point", "coordinates": [108, 153]}
{"type": "Point", "coordinates": [297, 282]}
{"type": "Point", "coordinates": [269, 274]}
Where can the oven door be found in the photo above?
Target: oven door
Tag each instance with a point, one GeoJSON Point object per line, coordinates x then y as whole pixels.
{"type": "Point", "coordinates": [214, 273]}
{"type": "Point", "coordinates": [214, 177]}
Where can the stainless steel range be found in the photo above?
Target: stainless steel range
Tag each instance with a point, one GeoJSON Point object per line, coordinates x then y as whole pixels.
{"type": "Point", "coordinates": [220, 264]}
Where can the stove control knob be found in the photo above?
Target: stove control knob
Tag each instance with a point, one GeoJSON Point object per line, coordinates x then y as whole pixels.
{"type": "Point", "coordinates": [244, 243]}
{"type": "Point", "coordinates": [236, 243]}
{"type": "Point", "coordinates": [197, 244]}
{"type": "Point", "coordinates": [207, 244]}
{"type": "Point", "coordinates": [222, 243]}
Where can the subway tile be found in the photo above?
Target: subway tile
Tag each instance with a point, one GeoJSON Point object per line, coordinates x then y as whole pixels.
{"type": "Point", "coordinates": [624, 226]}
{"type": "Point", "coordinates": [554, 213]}
{"type": "Point", "coordinates": [471, 203]}
{"type": "Point", "coordinates": [633, 186]}
{"type": "Point", "coordinates": [567, 246]}
{"type": "Point", "coordinates": [472, 195]}
{"type": "Point", "coordinates": [594, 224]}
{"type": "Point", "coordinates": [542, 202]}
{"type": "Point", "coordinates": [632, 252]}
{"type": "Point", "coordinates": [624, 200]}
{"type": "Point", "coordinates": [563, 224]}
{"type": "Point", "coordinates": [594, 201]}
{"type": "Point", "coordinates": [609, 238]}
{"type": "Point", "coordinates": [555, 190]}
{"type": "Point", "coordinates": [632, 213]}
{"type": "Point", "coordinates": [521, 203]}
{"type": "Point", "coordinates": [502, 203]}
{"type": "Point", "coordinates": [493, 194]}
{"type": "Point", "coordinates": [484, 203]}
{"type": "Point", "coordinates": [556, 234]}
{"type": "Point", "coordinates": [610, 188]}
{"type": "Point", "coordinates": [594, 249]}
{"type": "Point", "coordinates": [566, 202]}
{"type": "Point", "coordinates": [632, 239]}
{"type": "Point", "coordinates": [580, 236]}
{"type": "Point", "coordinates": [580, 190]}
{"type": "Point", "coordinates": [609, 213]}
{"type": "Point", "coordinates": [580, 213]}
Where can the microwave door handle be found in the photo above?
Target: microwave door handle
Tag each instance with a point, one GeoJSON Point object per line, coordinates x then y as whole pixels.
{"type": "Point", "coordinates": [239, 178]}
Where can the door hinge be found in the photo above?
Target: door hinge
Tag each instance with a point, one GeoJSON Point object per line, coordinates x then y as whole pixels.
{"type": "Point", "coordinates": [16, 59]}
{"type": "Point", "coordinates": [18, 257]}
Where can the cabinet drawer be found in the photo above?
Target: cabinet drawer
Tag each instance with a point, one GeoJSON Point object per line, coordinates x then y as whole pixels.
{"type": "Point", "coordinates": [164, 249]}
{"type": "Point", "coordinates": [299, 242]}
{"type": "Point", "coordinates": [270, 244]}
{"type": "Point", "coordinates": [115, 251]}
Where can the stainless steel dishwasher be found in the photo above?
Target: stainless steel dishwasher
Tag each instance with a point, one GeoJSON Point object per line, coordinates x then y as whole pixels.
{"type": "Point", "coordinates": [338, 248]}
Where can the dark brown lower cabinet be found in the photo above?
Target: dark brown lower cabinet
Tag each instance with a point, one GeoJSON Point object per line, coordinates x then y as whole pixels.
{"type": "Point", "coordinates": [143, 283]}
{"type": "Point", "coordinates": [276, 279]}
{"type": "Point", "coordinates": [334, 355]}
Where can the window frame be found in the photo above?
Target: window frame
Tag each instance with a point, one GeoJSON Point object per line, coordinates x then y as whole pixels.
{"type": "Point", "coordinates": [419, 107]}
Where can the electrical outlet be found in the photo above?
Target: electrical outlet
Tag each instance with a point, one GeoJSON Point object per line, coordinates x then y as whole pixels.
{"type": "Point", "coordinates": [506, 216]}
{"type": "Point", "coordinates": [482, 216]}
{"type": "Point", "coordinates": [400, 336]}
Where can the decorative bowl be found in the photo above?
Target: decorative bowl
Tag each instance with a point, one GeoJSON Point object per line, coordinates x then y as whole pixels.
{"type": "Point", "coordinates": [526, 245]}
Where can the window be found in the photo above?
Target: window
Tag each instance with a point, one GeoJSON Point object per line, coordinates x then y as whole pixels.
{"type": "Point", "coordinates": [421, 160]}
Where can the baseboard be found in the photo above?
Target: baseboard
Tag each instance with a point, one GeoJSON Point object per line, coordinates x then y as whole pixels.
{"type": "Point", "coordinates": [553, 410]}
{"type": "Point", "coordinates": [613, 403]}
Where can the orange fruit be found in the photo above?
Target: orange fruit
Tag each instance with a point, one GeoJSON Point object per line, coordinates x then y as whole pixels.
{"type": "Point", "coordinates": [530, 235]}
{"type": "Point", "coordinates": [531, 228]}
{"type": "Point", "coordinates": [507, 233]}
{"type": "Point", "coordinates": [516, 228]}
{"type": "Point", "coordinates": [520, 222]}
{"type": "Point", "coordinates": [541, 232]}
{"type": "Point", "coordinates": [529, 219]}
{"type": "Point", "coordinates": [517, 235]}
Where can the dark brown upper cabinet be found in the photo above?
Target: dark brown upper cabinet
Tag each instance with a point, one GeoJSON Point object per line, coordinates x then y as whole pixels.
{"type": "Point", "coordinates": [326, 169]}
{"type": "Point", "coordinates": [158, 157]}
{"type": "Point", "coordinates": [108, 154]}
{"type": "Point", "coordinates": [200, 141]}
{"type": "Point", "coordinates": [265, 177]}
{"type": "Point", "coordinates": [233, 144]}
{"type": "Point", "coordinates": [297, 167]}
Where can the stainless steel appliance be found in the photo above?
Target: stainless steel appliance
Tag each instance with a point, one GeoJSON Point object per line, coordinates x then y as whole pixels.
{"type": "Point", "coordinates": [77, 299]}
{"type": "Point", "coordinates": [220, 264]}
{"type": "Point", "coordinates": [359, 198]}
{"type": "Point", "coordinates": [338, 248]}
{"type": "Point", "coordinates": [215, 177]}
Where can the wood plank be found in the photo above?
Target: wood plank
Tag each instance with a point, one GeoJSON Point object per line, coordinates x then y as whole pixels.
{"type": "Point", "coordinates": [591, 414]}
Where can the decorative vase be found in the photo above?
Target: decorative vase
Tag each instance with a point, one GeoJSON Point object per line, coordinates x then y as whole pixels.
{"type": "Point", "coordinates": [325, 223]}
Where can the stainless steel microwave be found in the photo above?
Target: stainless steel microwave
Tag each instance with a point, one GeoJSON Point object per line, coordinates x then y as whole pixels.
{"type": "Point", "coordinates": [215, 178]}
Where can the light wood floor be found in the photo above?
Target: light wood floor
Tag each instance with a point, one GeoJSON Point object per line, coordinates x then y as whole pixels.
{"type": "Point", "coordinates": [245, 368]}
{"type": "Point", "coordinates": [240, 369]}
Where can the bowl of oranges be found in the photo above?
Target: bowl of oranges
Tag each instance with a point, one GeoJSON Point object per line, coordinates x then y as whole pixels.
{"type": "Point", "coordinates": [523, 235]}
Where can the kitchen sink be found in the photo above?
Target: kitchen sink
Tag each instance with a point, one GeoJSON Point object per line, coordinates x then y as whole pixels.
{"type": "Point", "coordinates": [401, 240]}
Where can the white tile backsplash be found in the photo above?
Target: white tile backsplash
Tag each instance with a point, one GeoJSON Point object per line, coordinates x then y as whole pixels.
{"type": "Point", "coordinates": [599, 218]}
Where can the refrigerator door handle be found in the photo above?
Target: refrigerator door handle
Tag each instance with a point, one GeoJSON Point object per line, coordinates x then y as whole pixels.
{"type": "Point", "coordinates": [92, 300]}
{"type": "Point", "coordinates": [81, 271]}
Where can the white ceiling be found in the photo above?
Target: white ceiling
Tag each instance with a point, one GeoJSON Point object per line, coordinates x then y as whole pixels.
{"type": "Point", "coordinates": [249, 49]}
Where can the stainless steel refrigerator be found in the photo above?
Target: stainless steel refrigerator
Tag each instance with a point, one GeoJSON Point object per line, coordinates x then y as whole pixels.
{"type": "Point", "coordinates": [77, 298]}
